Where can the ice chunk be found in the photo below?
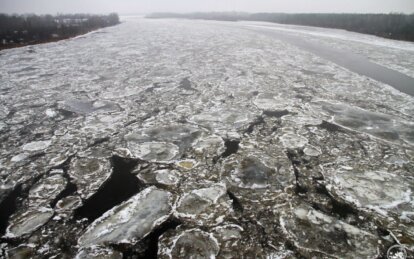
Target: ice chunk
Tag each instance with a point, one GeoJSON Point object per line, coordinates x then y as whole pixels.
{"type": "Point", "coordinates": [182, 136]}
{"type": "Point", "coordinates": [209, 146]}
{"type": "Point", "coordinates": [193, 243]}
{"type": "Point", "coordinates": [37, 145]}
{"type": "Point", "coordinates": [97, 252]}
{"type": "Point", "coordinates": [51, 113]}
{"type": "Point", "coordinates": [167, 177]}
{"type": "Point", "coordinates": [58, 160]}
{"type": "Point", "coordinates": [302, 119]}
{"type": "Point", "coordinates": [223, 119]}
{"type": "Point", "coordinates": [46, 190]}
{"type": "Point", "coordinates": [378, 190]}
{"type": "Point", "coordinates": [252, 174]}
{"type": "Point", "coordinates": [22, 251]}
{"type": "Point", "coordinates": [89, 174]}
{"type": "Point", "coordinates": [29, 221]}
{"type": "Point", "coordinates": [228, 232]}
{"type": "Point", "coordinates": [315, 232]}
{"type": "Point", "coordinates": [205, 205]}
{"type": "Point", "coordinates": [154, 151]}
{"type": "Point", "coordinates": [377, 124]}
{"type": "Point", "coordinates": [229, 238]}
{"type": "Point", "coordinates": [19, 157]}
{"type": "Point", "coordinates": [163, 176]}
{"type": "Point", "coordinates": [186, 164]}
{"type": "Point", "coordinates": [130, 221]}
{"type": "Point", "coordinates": [89, 106]}
{"type": "Point", "coordinates": [268, 102]}
{"type": "Point", "coordinates": [68, 204]}
{"type": "Point", "coordinates": [292, 140]}
{"type": "Point", "coordinates": [102, 123]}
{"type": "Point", "coordinates": [312, 151]}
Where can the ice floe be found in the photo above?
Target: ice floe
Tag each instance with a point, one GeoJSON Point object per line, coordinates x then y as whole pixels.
{"type": "Point", "coordinates": [130, 221]}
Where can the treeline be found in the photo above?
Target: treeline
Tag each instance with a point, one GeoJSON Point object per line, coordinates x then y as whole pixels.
{"type": "Point", "coordinates": [393, 25]}
{"type": "Point", "coordinates": [20, 30]}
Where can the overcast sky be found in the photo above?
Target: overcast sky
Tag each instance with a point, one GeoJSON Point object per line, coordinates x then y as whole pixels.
{"type": "Point", "coordinates": [147, 6]}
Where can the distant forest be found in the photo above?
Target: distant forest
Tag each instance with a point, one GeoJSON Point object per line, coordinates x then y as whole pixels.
{"type": "Point", "coordinates": [20, 30]}
{"type": "Point", "coordinates": [392, 26]}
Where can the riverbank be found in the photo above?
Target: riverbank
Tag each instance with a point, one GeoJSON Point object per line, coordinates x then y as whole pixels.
{"type": "Point", "coordinates": [19, 45]}
{"type": "Point", "coordinates": [23, 30]}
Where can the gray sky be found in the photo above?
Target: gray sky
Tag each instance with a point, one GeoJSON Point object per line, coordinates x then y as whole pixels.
{"type": "Point", "coordinates": [147, 6]}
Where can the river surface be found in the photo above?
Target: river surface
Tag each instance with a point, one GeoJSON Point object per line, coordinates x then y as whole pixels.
{"type": "Point", "coordinates": [345, 58]}
{"type": "Point", "coordinates": [183, 139]}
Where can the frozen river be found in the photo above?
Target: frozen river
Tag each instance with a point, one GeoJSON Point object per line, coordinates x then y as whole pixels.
{"type": "Point", "coordinates": [346, 58]}
{"type": "Point", "coordinates": [179, 138]}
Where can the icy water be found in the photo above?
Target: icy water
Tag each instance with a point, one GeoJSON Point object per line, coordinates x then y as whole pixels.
{"type": "Point", "coordinates": [349, 60]}
{"type": "Point", "coordinates": [178, 139]}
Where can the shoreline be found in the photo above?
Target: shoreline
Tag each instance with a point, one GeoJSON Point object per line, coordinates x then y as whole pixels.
{"type": "Point", "coordinates": [20, 45]}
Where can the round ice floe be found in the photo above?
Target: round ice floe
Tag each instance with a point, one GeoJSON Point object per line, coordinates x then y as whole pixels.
{"type": "Point", "coordinates": [270, 103]}
{"type": "Point", "coordinates": [229, 119]}
{"type": "Point", "coordinates": [89, 106]}
{"type": "Point", "coordinates": [390, 128]}
{"type": "Point", "coordinates": [102, 123]}
{"type": "Point", "coordinates": [186, 164]}
{"type": "Point", "coordinates": [395, 160]}
{"type": "Point", "coordinates": [163, 176]}
{"type": "Point", "coordinates": [206, 205]}
{"type": "Point", "coordinates": [377, 190]}
{"type": "Point", "coordinates": [97, 252]}
{"type": "Point", "coordinates": [99, 104]}
{"type": "Point", "coordinates": [313, 231]}
{"type": "Point", "coordinates": [154, 151]}
{"type": "Point", "coordinates": [252, 174]}
{"type": "Point", "coordinates": [46, 190]}
{"type": "Point", "coordinates": [37, 145]}
{"type": "Point", "coordinates": [193, 243]}
{"type": "Point", "coordinates": [89, 174]}
{"type": "Point", "coordinates": [228, 232]}
{"type": "Point", "coordinates": [29, 221]}
{"type": "Point", "coordinates": [180, 135]}
{"type": "Point", "coordinates": [167, 177]}
{"type": "Point", "coordinates": [291, 140]}
{"type": "Point", "coordinates": [211, 145]}
{"type": "Point", "coordinates": [311, 151]}
{"type": "Point", "coordinates": [20, 117]}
